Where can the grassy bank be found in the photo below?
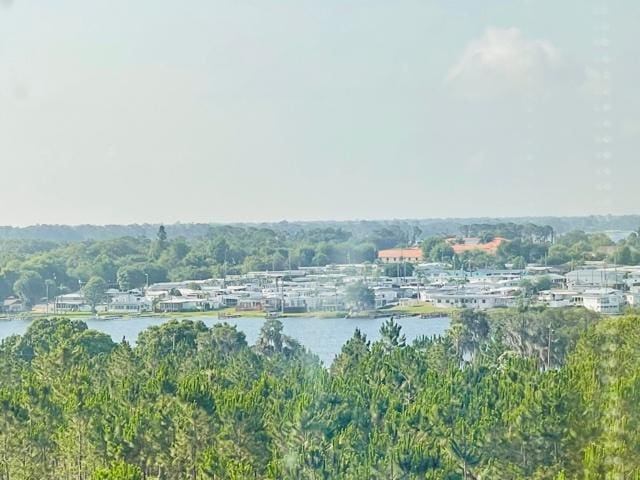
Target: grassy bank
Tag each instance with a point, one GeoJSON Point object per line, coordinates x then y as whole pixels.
{"type": "Point", "coordinates": [425, 308]}
{"type": "Point", "coordinates": [398, 310]}
{"type": "Point", "coordinates": [254, 313]}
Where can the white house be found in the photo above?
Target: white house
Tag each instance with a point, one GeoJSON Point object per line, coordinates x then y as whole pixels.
{"type": "Point", "coordinates": [249, 304]}
{"type": "Point", "coordinates": [603, 300]}
{"type": "Point", "coordinates": [385, 296]}
{"type": "Point", "coordinates": [13, 305]}
{"type": "Point", "coordinates": [128, 303]}
{"type": "Point", "coordinates": [180, 304]}
{"type": "Point", "coordinates": [595, 278]}
{"type": "Point", "coordinates": [71, 302]}
{"type": "Point", "coordinates": [560, 298]}
{"type": "Point", "coordinates": [461, 298]}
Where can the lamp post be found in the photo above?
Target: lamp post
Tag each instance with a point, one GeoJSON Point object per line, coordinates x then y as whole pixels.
{"type": "Point", "coordinates": [55, 299]}
{"type": "Point", "coordinates": [46, 285]}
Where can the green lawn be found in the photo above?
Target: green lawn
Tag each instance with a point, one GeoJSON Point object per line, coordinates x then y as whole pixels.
{"type": "Point", "coordinates": [408, 310]}
{"type": "Point", "coordinates": [420, 309]}
{"type": "Point", "coordinates": [254, 313]}
{"type": "Point", "coordinates": [249, 313]}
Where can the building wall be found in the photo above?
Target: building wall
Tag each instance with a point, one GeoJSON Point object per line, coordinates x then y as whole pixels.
{"type": "Point", "coordinates": [608, 304]}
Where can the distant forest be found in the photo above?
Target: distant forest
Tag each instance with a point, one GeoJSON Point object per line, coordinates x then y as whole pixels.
{"type": "Point", "coordinates": [415, 228]}
{"type": "Point", "coordinates": [127, 257]}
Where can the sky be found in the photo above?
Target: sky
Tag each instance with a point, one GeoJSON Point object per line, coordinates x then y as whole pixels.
{"type": "Point", "coordinates": [114, 111]}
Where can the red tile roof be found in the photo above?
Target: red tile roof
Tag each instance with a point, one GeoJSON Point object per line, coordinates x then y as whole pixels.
{"type": "Point", "coordinates": [490, 247]}
{"type": "Point", "coordinates": [413, 252]}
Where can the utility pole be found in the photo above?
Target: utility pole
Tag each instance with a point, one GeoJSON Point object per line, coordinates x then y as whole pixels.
{"type": "Point", "coordinates": [282, 296]}
{"type": "Point", "coordinates": [224, 270]}
{"type": "Point", "coordinates": [54, 279]}
{"type": "Point", "coordinates": [549, 349]}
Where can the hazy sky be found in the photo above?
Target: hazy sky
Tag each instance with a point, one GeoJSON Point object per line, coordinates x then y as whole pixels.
{"type": "Point", "coordinates": [115, 111]}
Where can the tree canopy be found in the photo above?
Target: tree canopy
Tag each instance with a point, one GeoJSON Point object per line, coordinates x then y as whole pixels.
{"type": "Point", "coordinates": [517, 394]}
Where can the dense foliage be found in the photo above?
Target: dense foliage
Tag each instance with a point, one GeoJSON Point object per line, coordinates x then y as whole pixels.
{"type": "Point", "coordinates": [36, 269]}
{"type": "Point", "coordinates": [129, 262]}
{"type": "Point", "coordinates": [535, 244]}
{"type": "Point", "coordinates": [487, 401]}
{"type": "Point", "coordinates": [360, 228]}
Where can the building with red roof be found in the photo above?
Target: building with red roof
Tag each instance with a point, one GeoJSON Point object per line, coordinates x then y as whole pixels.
{"type": "Point", "coordinates": [474, 244]}
{"type": "Point", "coordinates": [401, 255]}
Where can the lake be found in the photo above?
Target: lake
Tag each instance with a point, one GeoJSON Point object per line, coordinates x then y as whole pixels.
{"type": "Point", "coordinates": [323, 336]}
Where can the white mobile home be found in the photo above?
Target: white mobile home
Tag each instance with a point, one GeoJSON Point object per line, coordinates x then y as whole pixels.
{"type": "Point", "coordinates": [605, 301]}
{"type": "Point", "coordinates": [128, 303]}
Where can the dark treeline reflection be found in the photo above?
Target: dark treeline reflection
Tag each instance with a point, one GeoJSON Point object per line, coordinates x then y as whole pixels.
{"type": "Point", "coordinates": [529, 394]}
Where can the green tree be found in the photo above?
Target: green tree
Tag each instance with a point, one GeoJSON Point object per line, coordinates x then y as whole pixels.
{"type": "Point", "coordinates": [94, 292]}
{"type": "Point", "coordinates": [473, 330]}
{"type": "Point", "coordinates": [428, 244]}
{"type": "Point", "coordinates": [130, 277]}
{"type": "Point", "coordinates": [442, 252]}
{"type": "Point", "coordinates": [118, 471]}
{"type": "Point", "coordinates": [360, 296]}
{"type": "Point", "coordinates": [623, 256]}
{"type": "Point", "coordinates": [45, 335]}
{"type": "Point", "coordinates": [519, 263]}
{"type": "Point", "coordinates": [352, 354]}
{"type": "Point", "coordinates": [390, 334]}
{"type": "Point", "coordinates": [227, 338]}
{"type": "Point", "coordinates": [177, 338]}
{"type": "Point", "coordinates": [558, 255]}
{"type": "Point", "coordinates": [161, 244]}
{"type": "Point", "coordinates": [162, 237]}
{"type": "Point", "coordinates": [320, 260]}
{"type": "Point", "coordinates": [272, 341]}
{"type": "Point", "coordinates": [29, 287]}
{"type": "Point", "coordinates": [398, 269]}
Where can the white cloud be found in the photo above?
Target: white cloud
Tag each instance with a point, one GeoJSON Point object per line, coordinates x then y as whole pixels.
{"type": "Point", "coordinates": [596, 83]}
{"type": "Point", "coordinates": [504, 61]}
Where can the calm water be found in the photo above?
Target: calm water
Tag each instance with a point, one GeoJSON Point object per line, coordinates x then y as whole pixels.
{"type": "Point", "coordinates": [323, 336]}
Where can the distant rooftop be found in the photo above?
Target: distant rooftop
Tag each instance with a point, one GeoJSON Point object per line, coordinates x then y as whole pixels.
{"type": "Point", "coordinates": [474, 244]}
{"type": "Point", "coordinates": [408, 253]}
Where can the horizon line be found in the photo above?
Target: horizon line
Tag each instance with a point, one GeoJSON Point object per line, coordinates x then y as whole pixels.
{"type": "Point", "coordinates": [396, 219]}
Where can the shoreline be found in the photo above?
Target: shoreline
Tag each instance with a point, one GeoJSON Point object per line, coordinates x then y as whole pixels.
{"type": "Point", "coordinates": [231, 313]}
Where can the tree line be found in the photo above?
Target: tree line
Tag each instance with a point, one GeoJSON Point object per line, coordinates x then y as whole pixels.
{"type": "Point", "coordinates": [37, 269]}
{"type": "Point", "coordinates": [526, 394]}
{"type": "Point", "coordinates": [535, 244]}
{"type": "Point", "coordinates": [33, 269]}
{"type": "Point", "coordinates": [360, 228]}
